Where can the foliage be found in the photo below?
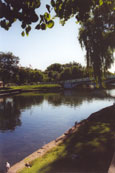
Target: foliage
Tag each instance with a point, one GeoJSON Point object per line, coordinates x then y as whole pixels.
{"type": "Point", "coordinates": [27, 75]}
{"type": "Point", "coordinates": [97, 35]}
{"type": "Point", "coordinates": [8, 66]}
{"type": "Point", "coordinates": [24, 11]}
{"type": "Point", "coordinates": [55, 67]}
{"type": "Point", "coordinates": [57, 72]}
{"type": "Point", "coordinates": [65, 74]}
{"type": "Point", "coordinates": [11, 72]}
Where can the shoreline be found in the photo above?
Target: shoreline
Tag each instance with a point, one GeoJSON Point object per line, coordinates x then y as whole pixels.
{"type": "Point", "coordinates": [44, 149]}
{"type": "Point", "coordinates": [10, 91]}
{"type": "Point", "coordinates": [13, 92]}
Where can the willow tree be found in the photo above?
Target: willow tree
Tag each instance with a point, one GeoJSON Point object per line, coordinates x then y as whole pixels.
{"type": "Point", "coordinates": [97, 30]}
{"type": "Point", "coordinates": [96, 18]}
{"type": "Point", "coordinates": [97, 35]}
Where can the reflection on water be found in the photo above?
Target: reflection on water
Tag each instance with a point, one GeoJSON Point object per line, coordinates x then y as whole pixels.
{"type": "Point", "coordinates": [30, 120]}
{"type": "Point", "coordinates": [9, 115]}
{"type": "Point", "coordinates": [10, 110]}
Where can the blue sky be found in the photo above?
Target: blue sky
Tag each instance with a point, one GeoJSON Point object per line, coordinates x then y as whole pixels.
{"type": "Point", "coordinates": [42, 48]}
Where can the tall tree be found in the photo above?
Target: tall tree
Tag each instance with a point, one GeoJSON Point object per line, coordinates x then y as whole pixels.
{"type": "Point", "coordinates": [8, 65]}
{"type": "Point", "coordinates": [97, 35]}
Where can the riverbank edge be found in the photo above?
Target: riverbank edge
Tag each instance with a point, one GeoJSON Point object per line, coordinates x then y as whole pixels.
{"type": "Point", "coordinates": [44, 149]}
{"type": "Point", "coordinates": [55, 89]}
{"type": "Point", "coordinates": [15, 91]}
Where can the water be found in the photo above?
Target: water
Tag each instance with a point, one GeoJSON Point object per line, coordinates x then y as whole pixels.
{"type": "Point", "coordinates": [28, 121]}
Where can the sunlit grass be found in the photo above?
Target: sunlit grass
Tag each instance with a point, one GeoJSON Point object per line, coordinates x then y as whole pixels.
{"type": "Point", "coordinates": [43, 86]}
{"type": "Point", "coordinates": [42, 164]}
{"type": "Point", "coordinates": [40, 87]}
{"type": "Point", "coordinates": [90, 148]}
{"type": "Point", "coordinates": [38, 94]}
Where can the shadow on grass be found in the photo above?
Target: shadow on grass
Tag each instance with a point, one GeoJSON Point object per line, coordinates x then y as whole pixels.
{"type": "Point", "coordinates": [90, 149]}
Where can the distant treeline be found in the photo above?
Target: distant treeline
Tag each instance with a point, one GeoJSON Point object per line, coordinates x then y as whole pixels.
{"type": "Point", "coordinates": [53, 73]}
{"type": "Point", "coordinates": [11, 72]}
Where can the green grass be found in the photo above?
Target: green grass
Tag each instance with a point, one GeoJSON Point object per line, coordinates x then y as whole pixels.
{"type": "Point", "coordinates": [92, 145]}
{"type": "Point", "coordinates": [35, 93]}
{"type": "Point", "coordinates": [47, 159]}
{"type": "Point", "coordinates": [41, 86]}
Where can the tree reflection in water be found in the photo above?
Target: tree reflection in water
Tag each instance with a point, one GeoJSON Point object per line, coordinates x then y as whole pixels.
{"type": "Point", "coordinates": [10, 110]}
{"type": "Point", "coordinates": [76, 98]}
{"type": "Point", "coordinates": [9, 115]}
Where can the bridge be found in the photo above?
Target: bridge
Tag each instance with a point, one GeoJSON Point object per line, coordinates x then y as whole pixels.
{"type": "Point", "coordinates": [85, 81]}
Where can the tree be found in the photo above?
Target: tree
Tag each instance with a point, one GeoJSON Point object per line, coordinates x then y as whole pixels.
{"type": "Point", "coordinates": [65, 74]}
{"type": "Point", "coordinates": [97, 31]}
{"type": "Point", "coordinates": [35, 76]}
{"type": "Point", "coordinates": [28, 75]}
{"type": "Point", "coordinates": [8, 65]}
{"type": "Point", "coordinates": [22, 75]}
{"type": "Point", "coordinates": [55, 67]}
{"type": "Point", "coordinates": [76, 72]}
{"type": "Point", "coordinates": [97, 35]}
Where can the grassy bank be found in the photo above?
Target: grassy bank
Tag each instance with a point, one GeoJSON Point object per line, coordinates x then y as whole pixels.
{"type": "Point", "coordinates": [35, 87]}
{"type": "Point", "coordinates": [25, 88]}
{"type": "Point", "coordinates": [89, 149]}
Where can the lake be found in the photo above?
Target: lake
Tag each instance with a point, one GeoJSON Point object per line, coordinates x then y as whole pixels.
{"type": "Point", "coordinates": [30, 120]}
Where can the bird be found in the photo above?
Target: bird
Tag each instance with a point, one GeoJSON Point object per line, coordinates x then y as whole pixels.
{"type": "Point", "coordinates": [27, 165]}
{"type": "Point", "coordinates": [7, 166]}
{"type": "Point", "coordinates": [76, 123]}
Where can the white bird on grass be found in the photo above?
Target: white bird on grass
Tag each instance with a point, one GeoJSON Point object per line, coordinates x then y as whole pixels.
{"type": "Point", "coordinates": [7, 166]}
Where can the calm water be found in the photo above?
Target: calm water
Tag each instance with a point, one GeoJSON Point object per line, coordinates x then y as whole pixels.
{"type": "Point", "coordinates": [31, 120]}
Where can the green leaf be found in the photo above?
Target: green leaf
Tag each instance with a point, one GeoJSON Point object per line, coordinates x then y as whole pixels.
{"type": "Point", "coordinates": [52, 3]}
{"type": "Point", "coordinates": [100, 2]}
{"type": "Point", "coordinates": [77, 22]}
{"type": "Point", "coordinates": [38, 26]}
{"type": "Point", "coordinates": [23, 25]}
{"type": "Point", "coordinates": [28, 29]}
{"type": "Point", "coordinates": [47, 16]}
{"type": "Point", "coordinates": [62, 22]}
{"type": "Point", "coordinates": [48, 8]}
{"type": "Point", "coordinates": [23, 33]}
{"type": "Point", "coordinates": [109, 2]}
{"type": "Point", "coordinates": [50, 24]}
{"type": "Point", "coordinates": [43, 26]}
{"type": "Point", "coordinates": [27, 34]}
{"type": "Point", "coordinates": [42, 18]}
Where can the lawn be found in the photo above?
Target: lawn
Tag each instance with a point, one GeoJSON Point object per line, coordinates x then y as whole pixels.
{"type": "Point", "coordinates": [40, 86]}
{"type": "Point", "coordinates": [89, 149]}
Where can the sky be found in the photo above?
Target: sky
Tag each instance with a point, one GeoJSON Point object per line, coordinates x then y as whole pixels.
{"type": "Point", "coordinates": [43, 48]}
